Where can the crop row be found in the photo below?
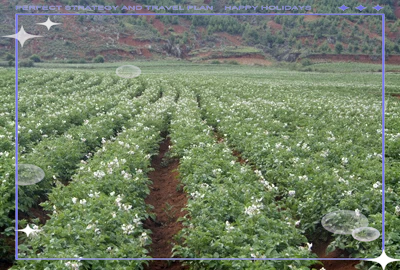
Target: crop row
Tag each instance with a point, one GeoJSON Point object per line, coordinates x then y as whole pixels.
{"type": "Point", "coordinates": [55, 119]}
{"type": "Point", "coordinates": [38, 89]}
{"type": "Point", "coordinates": [321, 149]}
{"type": "Point", "coordinates": [60, 156]}
{"type": "Point", "coordinates": [392, 177]}
{"type": "Point", "coordinates": [49, 118]}
{"type": "Point", "coordinates": [100, 213]}
{"type": "Point", "coordinates": [34, 96]}
{"type": "Point", "coordinates": [231, 209]}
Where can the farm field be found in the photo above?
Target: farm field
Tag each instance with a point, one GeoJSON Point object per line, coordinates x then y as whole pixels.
{"type": "Point", "coordinates": [205, 161]}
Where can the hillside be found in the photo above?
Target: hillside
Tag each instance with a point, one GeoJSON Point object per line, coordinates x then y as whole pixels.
{"type": "Point", "coordinates": [242, 39]}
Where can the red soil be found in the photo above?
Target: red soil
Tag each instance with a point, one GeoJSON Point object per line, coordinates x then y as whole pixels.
{"type": "Point", "coordinates": [118, 52]}
{"type": "Point", "coordinates": [204, 54]}
{"type": "Point", "coordinates": [132, 42]}
{"type": "Point", "coordinates": [168, 199]}
{"type": "Point", "coordinates": [201, 29]}
{"type": "Point", "coordinates": [236, 40]}
{"type": "Point", "coordinates": [396, 95]}
{"type": "Point", "coordinates": [69, 22]}
{"type": "Point", "coordinates": [397, 9]}
{"type": "Point", "coordinates": [311, 18]}
{"type": "Point", "coordinates": [389, 33]}
{"type": "Point", "coordinates": [35, 212]}
{"type": "Point", "coordinates": [247, 60]}
{"type": "Point", "coordinates": [364, 29]}
{"type": "Point", "coordinates": [320, 249]}
{"type": "Point", "coordinates": [303, 39]}
{"type": "Point", "coordinates": [239, 157]}
{"type": "Point", "coordinates": [159, 26]}
{"type": "Point", "coordinates": [274, 26]}
{"type": "Point", "coordinates": [235, 153]}
{"type": "Point", "coordinates": [179, 29]}
{"type": "Point", "coordinates": [146, 53]}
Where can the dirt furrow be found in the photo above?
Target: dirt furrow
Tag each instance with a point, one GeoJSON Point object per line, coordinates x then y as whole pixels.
{"type": "Point", "coordinates": [319, 248]}
{"type": "Point", "coordinates": [167, 198]}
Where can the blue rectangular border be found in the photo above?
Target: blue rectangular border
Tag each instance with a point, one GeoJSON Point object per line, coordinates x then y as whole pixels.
{"type": "Point", "coordinates": [200, 14]}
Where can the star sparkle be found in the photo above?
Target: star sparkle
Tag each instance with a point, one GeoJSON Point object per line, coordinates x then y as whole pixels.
{"type": "Point", "coordinates": [28, 230]}
{"type": "Point", "coordinates": [22, 36]}
{"type": "Point", "coordinates": [48, 23]}
{"type": "Point", "coordinates": [383, 260]}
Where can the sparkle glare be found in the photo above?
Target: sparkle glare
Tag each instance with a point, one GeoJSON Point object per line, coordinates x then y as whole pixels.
{"type": "Point", "coordinates": [28, 230]}
{"type": "Point", "coordinates": [383, 260]}
{"type": "Point", "coordinates": [48, 23]}
{"type": "Point", "coordinates": [22, 36]}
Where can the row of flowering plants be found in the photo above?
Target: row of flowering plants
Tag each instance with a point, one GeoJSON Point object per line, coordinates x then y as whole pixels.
{"type": "Point", "coordinates": [60, 156]}
{"type": "Point", "coordinates": [231, 207]}
{"type": "Point", "coordinates": [320, 147]}
{"type": "Point", "coordinates": [39, 89]}
{"type": "Point", "coordinates": [35, 82]}
{"type": "Point", "coordinates": [392, 177]}
{"type": "Point", "coordinates": [45, 111]}
{"type": "Point", "coordinates": [7, 109]}
{"type": "Point", "coordinates": [53, 118]}
{"type": "Point", "coordinates": [100, 213]}
{"type": "Point", "coordinates": [35, 89]}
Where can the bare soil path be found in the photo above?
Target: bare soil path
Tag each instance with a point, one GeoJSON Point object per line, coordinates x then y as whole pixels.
{"type": "Point", "coordinates": [168, 198]}
{"type": "Point", "coordinates": [320, 249]}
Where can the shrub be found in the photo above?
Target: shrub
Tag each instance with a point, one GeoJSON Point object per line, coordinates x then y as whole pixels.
{"type": "Point", "coordinates": [35, 58]}
{"type": "Point", "coordinates": [25, 63]}
{"type": "Point", "coordinates": [78, 61]}
{"type": "Point", "coordinates": [339, 48]}
{"type": "Point", "coordinates": [233, 62]}
{"type": "Point", "coordinates": [306, 62]}
{"type": "Point", "coordinates": [9, 56]}
{"type": "Point", "coordinates": [98, 59]}
{"type": "Point", "coordinates": [215, 62]}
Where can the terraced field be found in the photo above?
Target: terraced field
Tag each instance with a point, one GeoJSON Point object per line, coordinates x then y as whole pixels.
{"type": "Point", "coordinates": [200, 161]}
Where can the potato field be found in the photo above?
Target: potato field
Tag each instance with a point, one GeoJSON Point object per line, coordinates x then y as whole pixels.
{"type": "Point", "coordinates": [258, 157]}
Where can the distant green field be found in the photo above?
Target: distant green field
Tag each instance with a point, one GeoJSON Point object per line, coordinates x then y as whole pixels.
{"type": "Point", "coordinates": [161, 66]}
{"type": "Point", "coordinates": [343, 73]}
